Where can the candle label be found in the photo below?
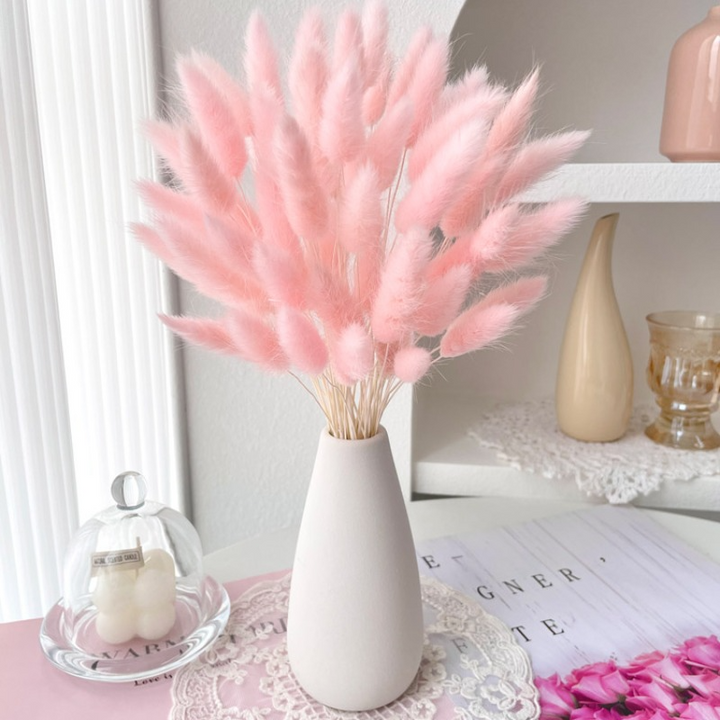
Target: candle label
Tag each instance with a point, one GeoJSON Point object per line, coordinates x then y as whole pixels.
{"type": "Point", "coordinates": [131, 559]}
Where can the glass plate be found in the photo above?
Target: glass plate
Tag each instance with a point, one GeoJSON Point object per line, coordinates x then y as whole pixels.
{"type": "Point", "coordinates": [72, 644]}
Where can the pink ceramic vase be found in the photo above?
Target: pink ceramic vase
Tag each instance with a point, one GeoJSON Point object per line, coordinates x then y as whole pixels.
{"type": "Point", "coordinates": [691, 119]}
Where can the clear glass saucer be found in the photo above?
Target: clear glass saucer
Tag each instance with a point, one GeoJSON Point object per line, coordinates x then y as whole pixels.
{"type": "Point", "coordinates": [71, 643]}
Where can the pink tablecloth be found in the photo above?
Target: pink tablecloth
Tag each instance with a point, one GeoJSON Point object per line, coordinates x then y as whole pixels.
{"type": "Point", "coordinates": [33, 689]}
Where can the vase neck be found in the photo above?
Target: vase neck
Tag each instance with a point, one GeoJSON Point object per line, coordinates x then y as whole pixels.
{"type": "Point", "coordinates": [599, 252]}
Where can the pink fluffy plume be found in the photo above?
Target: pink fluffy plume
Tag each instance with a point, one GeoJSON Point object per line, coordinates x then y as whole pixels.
{"type": "Point", "coordinates": [356, 231]}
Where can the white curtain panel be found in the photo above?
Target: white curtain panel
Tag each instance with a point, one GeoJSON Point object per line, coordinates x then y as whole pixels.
{"type": "Point", "coordinates": [89, 377]}
{"type": "Point", "coordinates": [38, 509]}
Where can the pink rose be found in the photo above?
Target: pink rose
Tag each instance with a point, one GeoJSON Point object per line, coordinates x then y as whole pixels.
{"type": "Point", "coordinates": [703, 651]}
{"type": "Point", "coordinates": [699, 710]}
{"type": "Point", "coordinates": [607, 714]}
{"type": "Point", "coordinates": [592, 712]}
{"type": "Point", "coordinates": [555, 699]}
{"type": "Point", "coordinates": [604, 684]}
{"type": "Point", "coordinates": [671, 669]}
{"type": "Point", "coordinates": [706, 684]}
{"type": "Point", "coordinates": [598, 668]}
{"type": "Point", "coordinates": [583, 713]}
{"type": "Point", "coordinates": [641, 715]}
{"type": "Point", "coordinates": [653, 696]}
{"type": "Point", "coordinates": [638, 665]}
{"type": "Point", "coordinates": [649, 715]}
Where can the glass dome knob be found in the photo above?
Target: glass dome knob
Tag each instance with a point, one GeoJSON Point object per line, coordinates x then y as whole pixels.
{"type": "Point", "coordinates": [128, 490]}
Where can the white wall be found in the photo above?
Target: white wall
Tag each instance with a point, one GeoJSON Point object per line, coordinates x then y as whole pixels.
{"type": "Point", "coordinates": [603, 63]}
{"type": "Point", "coordinates": [252, 437]}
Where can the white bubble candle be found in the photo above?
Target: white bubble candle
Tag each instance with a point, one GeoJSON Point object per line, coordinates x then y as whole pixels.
{"type": "Point", "coordinates": [136, 603]}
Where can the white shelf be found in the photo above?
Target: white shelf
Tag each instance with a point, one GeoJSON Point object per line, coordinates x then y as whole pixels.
{"type": "Point", "coordinates": [447, 461]}
{"type": "Point", "coordinates": [661, 182]}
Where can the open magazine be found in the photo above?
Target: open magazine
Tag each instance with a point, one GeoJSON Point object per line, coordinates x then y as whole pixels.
{"type": "Point", "coordinates": [607, 583]}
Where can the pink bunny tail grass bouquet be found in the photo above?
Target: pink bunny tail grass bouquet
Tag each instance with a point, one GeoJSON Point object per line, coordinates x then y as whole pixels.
{"type": "Point", "coordinates": [381, 196]}
{"type": "Point", "coordinates": [383, 203]}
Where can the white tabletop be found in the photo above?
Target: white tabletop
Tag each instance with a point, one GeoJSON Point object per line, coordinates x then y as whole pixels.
{"type": "Point", "coordinates": [434, 518]}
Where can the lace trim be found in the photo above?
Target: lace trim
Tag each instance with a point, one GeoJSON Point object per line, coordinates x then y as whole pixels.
{"type": "Point", "coordinates": [472, 668]}
{"type": "Point", "coordinates": [526, 436]}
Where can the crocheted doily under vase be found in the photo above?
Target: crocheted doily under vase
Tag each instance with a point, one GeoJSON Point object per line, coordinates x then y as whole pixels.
{"type": "Point", "coordinates": [526, 436]}
{"type": "Point", "coordinates": [472, 668]}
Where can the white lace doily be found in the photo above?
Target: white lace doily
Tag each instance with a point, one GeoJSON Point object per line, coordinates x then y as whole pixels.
{"type": "Point", "coordinates": [526, 436]}
{"type": "Point", "coordinates": [471, 667]}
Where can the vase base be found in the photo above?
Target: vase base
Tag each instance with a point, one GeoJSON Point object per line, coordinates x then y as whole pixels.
{"type": "Point", "coordinates": [683, 433]}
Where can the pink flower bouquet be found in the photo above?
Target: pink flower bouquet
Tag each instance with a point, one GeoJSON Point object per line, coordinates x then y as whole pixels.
{"type": "Point", "coordinates": [355, 231]}
{"type": "Point", "coordinates": [684, 683]}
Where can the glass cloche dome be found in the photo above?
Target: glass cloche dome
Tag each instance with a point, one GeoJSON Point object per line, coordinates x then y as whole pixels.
{"type": "Point", "coordinates": [136, 602]}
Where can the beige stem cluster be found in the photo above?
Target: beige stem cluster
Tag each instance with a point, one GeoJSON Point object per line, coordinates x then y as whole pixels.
{"type": "Point", "coordinates": [353, 412]}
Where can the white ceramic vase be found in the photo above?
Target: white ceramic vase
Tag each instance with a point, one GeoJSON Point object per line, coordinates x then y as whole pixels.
{"type": "Point", "coordinates": [355, 626]}
{"type": "Point", "coordinates": [594, 390]}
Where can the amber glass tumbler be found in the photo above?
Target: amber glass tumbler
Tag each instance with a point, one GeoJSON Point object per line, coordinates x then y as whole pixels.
{"type": "Point", "coordinates": [684, 374]}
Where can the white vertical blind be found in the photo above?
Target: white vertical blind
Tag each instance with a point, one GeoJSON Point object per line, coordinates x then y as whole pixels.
{"type": "Point", "coordinates": [88, 375]}
{"type": "Point", "coordinates": [95, 75]}
{"type": "Point", "coordinates": [38, 509]}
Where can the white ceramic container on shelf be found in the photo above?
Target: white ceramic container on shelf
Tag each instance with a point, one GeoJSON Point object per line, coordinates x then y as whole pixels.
{"type": "Point", "coordinates": [594, 390]}
{"type": "Point", "coordinates": [355, 625]}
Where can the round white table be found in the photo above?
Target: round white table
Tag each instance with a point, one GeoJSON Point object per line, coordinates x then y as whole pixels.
{"type": "Point", "coordinates": [434, 518]}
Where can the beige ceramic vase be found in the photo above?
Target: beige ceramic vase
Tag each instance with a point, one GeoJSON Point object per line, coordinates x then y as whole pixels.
{"type": "Point", "coordinates": [594, 391]}
{"type": "Point", "coordinates": [691, 118]}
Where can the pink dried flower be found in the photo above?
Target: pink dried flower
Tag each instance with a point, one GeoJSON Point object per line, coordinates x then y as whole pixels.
{"type": "Point", "coordinates": [202, 177]}
{"type": "Point", "coordinates": [352, 354]}
{"type": "Point", "coordinates": [408, 66]}
{"type": "Point", "coordinates": [234, 95]}
{"type": "Point", "coordinates": [261, 63]}
{"type": "Point", "coordinates": [308, 72]}
{"type": "Point", "coordinates": [166, 202]}
{"type": "Point", "coordinates": [210, 334]}
{"type": "Point", "coordinates": [360, 219]}
{"type": "Point", "coordinates": [348, 41]}
{"type": "Point", "coordinates": [442, 300]}
{"type": "Point", "coordinates": [256, 340]}
{"type": "Point", "coordinates": [386, 143]}
{"type": "Point", "coordinates": [478, 326]}
{"type": "Point", "coordinates": [305, 204]}
{"type": "Point", "coordinates": [301, 342]}
{"type": "Point", "coordinates": [400, 292]}
{"type": "Point", "coordinates": [374, 40]}
{"type": "Point", "coordinates": [223, 135]}
{"type": "Point", "coordinates": [331, 266]}
{"type": "Point", "coordinates": [427, 84]}
{"type": "Point", "coordinates": [411, 363]}
{"type": "Point", "coordinates": [439, 182]}
{"type": "Point", "coordinates": [342, 135]}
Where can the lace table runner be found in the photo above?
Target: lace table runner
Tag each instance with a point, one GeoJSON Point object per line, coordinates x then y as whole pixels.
{"type": "Point", "coordinates": [471, 666]}
{"type": "Point", "coordinates": [526, 436]}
